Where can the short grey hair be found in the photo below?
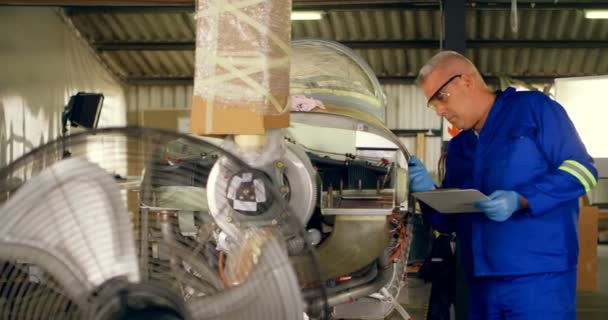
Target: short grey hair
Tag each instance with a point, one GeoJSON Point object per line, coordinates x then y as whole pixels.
{"type": "Point", "coordinates": [435, 61]}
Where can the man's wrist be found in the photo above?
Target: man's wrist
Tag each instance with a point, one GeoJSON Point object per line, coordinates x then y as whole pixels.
{"type": "Point", "coordinates": [523, 202]}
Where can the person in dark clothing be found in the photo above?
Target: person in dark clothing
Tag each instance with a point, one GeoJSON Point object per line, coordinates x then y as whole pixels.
{"type": "Point", "coordinates": [439, 269]}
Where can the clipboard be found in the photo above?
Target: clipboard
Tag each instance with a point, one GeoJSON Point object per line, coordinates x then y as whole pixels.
{"type": "Point", "coordinates": [450, 201]}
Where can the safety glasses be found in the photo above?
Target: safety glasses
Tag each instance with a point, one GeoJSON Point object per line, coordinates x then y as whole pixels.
{"type": "Point", "coordinates": [440, 95]}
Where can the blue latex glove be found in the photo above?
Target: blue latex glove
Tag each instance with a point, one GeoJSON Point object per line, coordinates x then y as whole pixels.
{"type": "Point", "coordinates": [501, 205]}
{"type": "Point", "coordinates": [420, 180]}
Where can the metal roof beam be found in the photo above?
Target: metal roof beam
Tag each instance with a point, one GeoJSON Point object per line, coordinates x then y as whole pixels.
{"type": "Point", "coordinates": [76, 10]}
{"type": "Point", "coordinates": [129, 5]}
{"type": "Point", "coordinates": [539, 44]}
{"type": "Point", "coordinates": [455, 22]}
{"type": "Point", "coordinates": [491, 79]}
{"type": "Point", "coordinates": [153, 81]}
{"type": "Point", "coordinates": [101, 3]}
{"type": "Point", "coordinates": [143, 45]}
{"type": "Point", "coordinates": [98, 2]}
{"type": "Point", "coordinates": [382, 44]}
{"type": "Point", "coordinates": [477, 44]}
{"type": "Point", "coordinates": [133, 6]}
{"type": "Point", "coordinates": [164, 7]}
{"type": "Point", "coordinates": [392, 44]}
{"type": "Point", "coordinates": [473, 4]}
{"type": "Point", "coordinates": [363, 4]}
{"type": "Point", "coordinates": [537, 5]}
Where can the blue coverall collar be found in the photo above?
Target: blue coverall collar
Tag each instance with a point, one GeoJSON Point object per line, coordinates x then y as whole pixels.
{"type": "Point", "coordinates": [495, 110]}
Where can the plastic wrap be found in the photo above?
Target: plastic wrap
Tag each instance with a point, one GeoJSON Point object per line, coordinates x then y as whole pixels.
{"type": "Point", "coordinates": [242, 55]}
{"type": "Point", "coordinates": [274, 148]}
{"type": "Point", "coordinates": [334, 74]}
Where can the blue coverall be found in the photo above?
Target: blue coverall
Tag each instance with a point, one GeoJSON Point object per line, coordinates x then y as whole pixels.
{"type": "Point", "coordinates": [524, 267]}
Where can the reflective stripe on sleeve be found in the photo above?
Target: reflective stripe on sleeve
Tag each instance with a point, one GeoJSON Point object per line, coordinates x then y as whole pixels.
{"type": "Point", "coordinates": [579, 172]}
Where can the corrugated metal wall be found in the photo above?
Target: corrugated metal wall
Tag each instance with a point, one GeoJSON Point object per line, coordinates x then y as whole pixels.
{"type": "Point", "coordinates": [432, 152]}
{"type": "Point", "coordinates": [175, 26]}
{"type": "Point", "coordinates": [406, 110]}
{"type": "Point", "coordinates": [140, 98]}
{"type": "Point", "coordinates": [44, 63]}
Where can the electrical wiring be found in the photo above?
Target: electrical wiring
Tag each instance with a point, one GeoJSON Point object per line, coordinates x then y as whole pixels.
{"type": "Point", "coordinates": [402, 235]}
{"type": "Point", "coordinates": [220, 267]}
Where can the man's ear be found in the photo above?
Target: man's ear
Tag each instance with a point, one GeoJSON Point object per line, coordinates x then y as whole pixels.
{"type": "Point", "coordinates": [467, 80]}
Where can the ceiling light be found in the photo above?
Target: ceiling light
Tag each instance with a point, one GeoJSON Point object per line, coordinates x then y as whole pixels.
{"type": "Point", "coordinates": [596, 14]}
{"type": "Point", "coordinates": [306, 15]}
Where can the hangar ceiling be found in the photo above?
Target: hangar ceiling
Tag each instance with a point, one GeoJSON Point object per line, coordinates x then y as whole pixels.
{"type": "Point", "coordinates": [152, 42]}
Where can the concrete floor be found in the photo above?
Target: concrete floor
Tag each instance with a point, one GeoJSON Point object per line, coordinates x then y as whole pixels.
{"type": "Point", "coordinates": [589, 305]}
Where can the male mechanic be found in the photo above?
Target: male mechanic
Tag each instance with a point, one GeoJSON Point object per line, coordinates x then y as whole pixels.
{"type": "Point", "coordinates": [521, 149]}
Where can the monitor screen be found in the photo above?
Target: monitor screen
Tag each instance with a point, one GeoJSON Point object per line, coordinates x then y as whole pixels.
{"type": "Point", "coordinates": [84, 109]}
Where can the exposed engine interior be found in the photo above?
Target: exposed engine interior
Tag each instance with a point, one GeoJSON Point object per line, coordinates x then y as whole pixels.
{"type": "Point", "coordinates": [311, 226]}
{"type": "Point", "coordinates": [348, 204]}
